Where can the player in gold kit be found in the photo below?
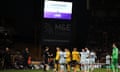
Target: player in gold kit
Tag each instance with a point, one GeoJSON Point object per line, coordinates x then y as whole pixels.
{"type": "Point", "coordinates": [57, 59]}
{"type": "Point", "coordinates": [67, 59]}
{"type": "Point", "coordinates": [76, 59]}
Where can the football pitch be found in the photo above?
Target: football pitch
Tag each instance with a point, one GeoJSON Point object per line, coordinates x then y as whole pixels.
{"type": "Point", "coordinates": [14, 70]}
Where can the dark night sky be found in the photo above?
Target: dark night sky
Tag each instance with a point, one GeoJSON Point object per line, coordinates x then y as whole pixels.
{"type": "Point", "coordinates": [24, 16]}
{"type": "Point", "coordinates": [20, 14]}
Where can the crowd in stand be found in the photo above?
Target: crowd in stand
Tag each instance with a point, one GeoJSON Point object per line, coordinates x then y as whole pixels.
{"type": "Point", "coordinates": [18, 60]}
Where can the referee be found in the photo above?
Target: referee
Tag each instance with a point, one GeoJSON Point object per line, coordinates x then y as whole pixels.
{"type": "Point", "coordinates": [46, 57]}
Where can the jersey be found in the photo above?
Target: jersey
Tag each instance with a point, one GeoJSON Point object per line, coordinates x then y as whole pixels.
{"type": "Point", "coordinates": [88, 53]}
{"type": "Point", "coordinates": [67, 56]}
{"type": "Point", "coordinates": [115, 53]}
{"type": "Point", "coordinates": [83, 57]}
{"type": "Point", "coordinates": [75, 56]}
{"type": "Point", "coordinates": [108, 59]}
{"type": "Point", "coordinates": [57, 55]}
{"type": "Point", "coordinates": [92, 57]}
{"type": "Point", "coordinates": [46, 54]}
{"type": "Point", "coordinates": [62, 58]}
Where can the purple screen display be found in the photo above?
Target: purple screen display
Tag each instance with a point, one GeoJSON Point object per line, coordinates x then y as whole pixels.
{"type": "Point", "coordinates": [58, 10]}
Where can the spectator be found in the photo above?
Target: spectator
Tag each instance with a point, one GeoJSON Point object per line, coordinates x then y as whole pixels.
{"type": "Point", "coordinates": [26, 55]}
{"type": "Point", "coordinates": [7, 59]}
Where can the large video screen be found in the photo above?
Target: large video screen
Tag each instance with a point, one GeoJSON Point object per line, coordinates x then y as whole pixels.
{"type": "Point", "coordinates": [57, 10]}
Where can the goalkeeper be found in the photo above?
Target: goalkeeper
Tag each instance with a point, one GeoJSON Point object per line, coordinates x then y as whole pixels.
{"type": "Point", "coordinates": [115, 58]}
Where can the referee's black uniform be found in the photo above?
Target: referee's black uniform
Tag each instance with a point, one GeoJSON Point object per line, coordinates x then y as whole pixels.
{"type": "Point", "coordinates": [46, 58]}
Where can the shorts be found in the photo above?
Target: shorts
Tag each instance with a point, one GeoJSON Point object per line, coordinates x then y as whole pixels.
{"type": "Point", "coordinates": [46, 61]}
{"type": "Point", "coordinates": [61, 61]}
{"type": "Point", "coordinates": [91, 61]}
{"type": "Point", "coordinates": [74, 62]}
{"type": "Point", "coordinates": [115, 61]}
{"type": "Point", "coordinates": [87, 61]}
{"type": "Point", "coordinates": [68, 62]}
{"type": "Point", "coordinates": [56, 62]}
{"type": "Point", "coordinates": [83, 61]}
{"type": "Point", "coordinates": [107, 62]}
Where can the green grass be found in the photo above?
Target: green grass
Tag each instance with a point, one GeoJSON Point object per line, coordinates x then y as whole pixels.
{"type": "Point", "coordinates": [13, 70]}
